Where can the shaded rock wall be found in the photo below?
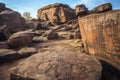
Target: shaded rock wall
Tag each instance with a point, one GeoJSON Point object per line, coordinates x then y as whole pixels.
{"type": "Point", "coordinates": [100, 35]}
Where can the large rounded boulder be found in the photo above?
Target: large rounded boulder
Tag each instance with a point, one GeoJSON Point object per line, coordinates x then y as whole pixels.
{"type": "Point", "coordinates": [20, 38]}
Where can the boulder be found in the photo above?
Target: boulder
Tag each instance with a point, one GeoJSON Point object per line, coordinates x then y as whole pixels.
{"type": "Point", "coordinates": [7, 55]}
{"type": "Point", "coordinates": [4, 45]}
{"type": "Point", "coordinates": [50, 34]}
{"type": "Point", "coordinates": [100, 35]}
{"type": "Point", "coordinates": [27, 51]}
{"type": "Point", "coordinates": [81, 10]}
{"type": "Point", "coordinates": [52, 65]}
{"type": "Point", "coordinates": [20, 38]}
{"type": "Point", "coordinates": [56, 13]}
{"type": "Point", "coordinates": [102, 8]}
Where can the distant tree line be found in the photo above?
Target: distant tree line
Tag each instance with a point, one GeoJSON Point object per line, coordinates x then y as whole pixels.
{"type": "Point", "coordinates": [27, 16]}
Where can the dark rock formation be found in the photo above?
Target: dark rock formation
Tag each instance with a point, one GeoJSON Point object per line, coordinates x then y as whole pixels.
{"type": "Point", "coordinates": [100, 35]}
{"type": "Point", "coordinates": [7, 55]}
{"type": "Point", "coordinates": [56, 13]}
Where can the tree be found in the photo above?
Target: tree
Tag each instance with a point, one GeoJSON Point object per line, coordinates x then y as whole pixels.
{"type": "Point", "coordinates": [27, 16]}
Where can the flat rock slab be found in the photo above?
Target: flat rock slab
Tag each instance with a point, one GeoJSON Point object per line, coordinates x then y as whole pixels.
{"type": "Point", "coordinates": [59, 62]}
{"type": "Point", "coordinates": [27, 51]}
{"type": "Point", "coordinates": [7, 55]}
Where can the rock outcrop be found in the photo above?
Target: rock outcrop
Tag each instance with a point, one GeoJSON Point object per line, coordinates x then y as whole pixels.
{"type": "Point", "coordinates": [56, 13]}
{"type": "Point", "coordinates": [58, 61]}
{"type": "Point", "coordinates": [102, 8]}
{"type": "Point", "coordinates": [12, 19]}
{"type": "Point", "coordinates": [100, 35]}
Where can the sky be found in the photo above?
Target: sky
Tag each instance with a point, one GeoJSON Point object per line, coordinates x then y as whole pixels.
{"type": "Point", "coordinates": [33, 5]}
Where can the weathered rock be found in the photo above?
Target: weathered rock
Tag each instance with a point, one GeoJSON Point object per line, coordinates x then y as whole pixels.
{"type": "Point", "coordinates": [50, 34]}
{"type": "Point", "coordinates": [100, 35]}
{"type": "Point", "coordinates": [56, 13]}
{"type": "Point", "coordinates": [38, 39]}
{"type": "Point", "coordinates": [20, 38]}
{"type": "Point", "coordinates": [7, 55]}
{"type": "Point", "coordinates": [81, 10]}
{"type": "Point", "coordinates": [27, 51]}
{"type": "Point", "coordinates": [62, 65]}
{"type": "Point", "coordinates": [4, 45]}
{"type": "Point", "coordinates": [102, 8]}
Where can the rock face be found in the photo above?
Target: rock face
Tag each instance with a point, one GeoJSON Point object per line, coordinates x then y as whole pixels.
{"type": "Point", "coordinates": [56, 13]}
{"type": "Point", "coordinates": [7, 55]}
{"type": "Point", "coordinates": [100, 35]}
{"type": "Point", "coordinates": [102, 8]}
{"type": "Point", "coordinates": [20, 38]}
{"type": "Point", "coordinates": [12, 19]}
{"type": "Point", "coordinates": [59, 62]}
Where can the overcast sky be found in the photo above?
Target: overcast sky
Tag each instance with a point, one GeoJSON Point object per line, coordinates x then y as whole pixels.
{"type": "Point", "coordinates": [33, 5]}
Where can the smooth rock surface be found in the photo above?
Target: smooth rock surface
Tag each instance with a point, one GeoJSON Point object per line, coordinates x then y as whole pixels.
{"type": "Point", "coordinates": [59, 61]}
